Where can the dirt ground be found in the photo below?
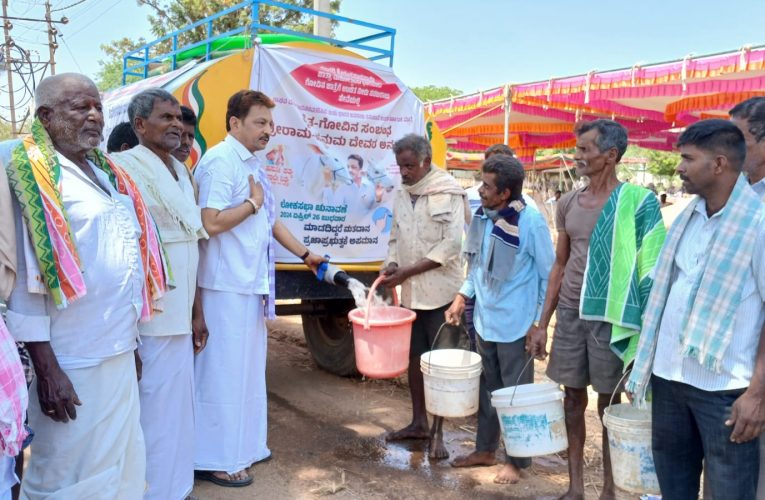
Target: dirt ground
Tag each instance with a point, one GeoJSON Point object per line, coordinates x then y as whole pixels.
{"type": "Point", "coordinates": [326, 435]}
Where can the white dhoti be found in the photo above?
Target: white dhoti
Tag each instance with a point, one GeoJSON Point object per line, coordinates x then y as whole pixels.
{"type": "Point", "coordinates": [99, 455]}
{"type": "Point", "coordinates": [230, 384]}
{"type": "Point", "coordinates": [167, 415]}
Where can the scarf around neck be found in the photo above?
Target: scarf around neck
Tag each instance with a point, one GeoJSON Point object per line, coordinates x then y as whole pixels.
{"type": "Point", "coordinates": [711, 312]}
{"type": "Point", "coordinates": [437, 182]}
{"type": "Point", "coordinates": [183, 220]}
{"type": "Point", "coordinates": [34, 174]}
{"type": "Point", "coordinates": [503, 243]}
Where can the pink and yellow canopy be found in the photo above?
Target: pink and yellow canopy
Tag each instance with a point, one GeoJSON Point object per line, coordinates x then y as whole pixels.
{"type": "Point", "coordinates": [654, 102]}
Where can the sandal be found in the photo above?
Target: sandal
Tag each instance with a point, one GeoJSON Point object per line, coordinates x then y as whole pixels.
{"type": "Point", "coordinates": [207, 475]}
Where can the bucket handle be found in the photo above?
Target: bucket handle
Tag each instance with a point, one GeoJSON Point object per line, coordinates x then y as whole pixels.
{"type": "Point", "coordinates": [621, 380]}
{"type": "Point", "coordinates": [371, 294]}
{"type": "Point", "coordinates": [525, 367]}
{"type": "Point", "coordinates": [440, 329]}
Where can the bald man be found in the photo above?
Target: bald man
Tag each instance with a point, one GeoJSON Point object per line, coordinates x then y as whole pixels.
{"type": "Point", "coordinates": [78, 308]}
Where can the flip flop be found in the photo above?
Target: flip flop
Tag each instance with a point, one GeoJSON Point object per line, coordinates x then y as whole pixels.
{"type": "Point", "coordinates": [206, 475]}
{"type": "Point", "coordinates": [264, 460]}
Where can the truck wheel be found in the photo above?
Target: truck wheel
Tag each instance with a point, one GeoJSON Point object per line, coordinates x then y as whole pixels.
{"type": "Point", "coordinates": [330, 338]}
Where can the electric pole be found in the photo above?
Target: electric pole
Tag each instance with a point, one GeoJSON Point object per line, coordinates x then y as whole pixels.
{"type": "Point", "coordinates": [8, 44]}
{"type": "Point", "coordinates": [52, 43]}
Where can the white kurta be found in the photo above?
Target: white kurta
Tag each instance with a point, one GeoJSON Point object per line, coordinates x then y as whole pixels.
{"type": "Point", "coordinates": [101, 454]}
{"type": "Point", "coordinates": [229, 375]}
{"type": "Point", "coordinates": [167, 384]}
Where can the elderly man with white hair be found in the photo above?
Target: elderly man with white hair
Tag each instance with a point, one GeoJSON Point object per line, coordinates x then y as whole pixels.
{"type": "Point", "coordinates": [89, 267]}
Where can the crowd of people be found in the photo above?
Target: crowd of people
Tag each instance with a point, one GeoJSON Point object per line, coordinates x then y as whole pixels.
{"type": "Point", "coordinates": [140, 290]}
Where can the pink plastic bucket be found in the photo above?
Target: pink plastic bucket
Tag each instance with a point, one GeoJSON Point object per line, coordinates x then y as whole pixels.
{"type": "Point", "coordinates": [381, 337]}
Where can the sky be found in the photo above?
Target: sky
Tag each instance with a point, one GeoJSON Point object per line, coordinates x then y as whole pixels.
{"type": "Point", "coordinates": [469, 46]}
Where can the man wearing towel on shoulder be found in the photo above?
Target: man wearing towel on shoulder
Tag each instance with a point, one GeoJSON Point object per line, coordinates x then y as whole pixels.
{"type": "Point", "coordinates": [701, 349]}
{"type": "Point", "coordinates": [430, 211]}
{"type": "Point", "coordinates": [166, 350]}
{"type": "Point", "coordinates": [609, 236]}
{"type": "Point", "coordinates": [90, 266]}
{"type": "Point", "coordinates": [509, 254]}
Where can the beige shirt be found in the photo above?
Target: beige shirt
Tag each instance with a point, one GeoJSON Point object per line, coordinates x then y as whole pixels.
{"type": "Point", "coordinates": [431, 229]}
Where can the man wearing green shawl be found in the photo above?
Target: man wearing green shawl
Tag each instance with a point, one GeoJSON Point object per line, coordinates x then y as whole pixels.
{"type": "Point", "coordinates": [609, 236]}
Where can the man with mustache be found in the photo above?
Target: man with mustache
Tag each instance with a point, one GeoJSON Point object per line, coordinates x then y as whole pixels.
{"type": "Point", "coordinates": [609, 236]}
{"type": "Point", "coordinates": [236, 275]}
{"type": "Point", "coordinates": [77, 307]}
{"type": "Point", "coordinates": [509, 254]}
{"type": "Point", "coordinates": [166, 351]}
{"type": "Point", "coordinates": [702, 349]}
{"type": "Point", "coordinates": [431, 205]}
{"type": "Point", "coordinates": [189, 119]}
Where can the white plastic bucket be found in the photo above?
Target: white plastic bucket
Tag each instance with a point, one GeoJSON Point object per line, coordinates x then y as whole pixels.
{"type": "Point", "coordinates": [532, 419]}
{"type": "Point", "coordinates": [629, 439]}
{"type": "Point", "coordinates": [451, 378]}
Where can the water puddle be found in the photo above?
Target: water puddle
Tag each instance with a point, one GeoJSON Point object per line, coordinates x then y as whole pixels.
{"type": "Point", "coordinates": [404, 456]}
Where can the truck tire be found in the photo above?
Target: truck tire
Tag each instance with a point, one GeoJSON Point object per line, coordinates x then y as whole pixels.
{"type": "Point", "coordinates": [330, 338]}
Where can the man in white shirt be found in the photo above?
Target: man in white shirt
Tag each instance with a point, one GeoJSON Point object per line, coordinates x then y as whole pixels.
{"type": "Point", "coordinates": [236, 275]}
{"type": "Point", "coordinates": [167, 376]}
{"type": "Point", "coordinates": [81, 335]}
{"type": "Point", "coordinates": [749, 117]}
{"type": "Point", "coordinates": [701, 346]}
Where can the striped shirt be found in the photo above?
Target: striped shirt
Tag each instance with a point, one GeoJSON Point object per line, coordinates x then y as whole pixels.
{"type": "Point", "coordinates": [738, 361]}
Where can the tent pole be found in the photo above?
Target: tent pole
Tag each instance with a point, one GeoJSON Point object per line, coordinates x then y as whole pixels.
{"type": "Point", "coordinates": [508, 104]}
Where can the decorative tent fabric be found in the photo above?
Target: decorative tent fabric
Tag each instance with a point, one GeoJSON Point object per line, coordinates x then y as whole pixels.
{"type": "Point", "coordinates": [654, 102]}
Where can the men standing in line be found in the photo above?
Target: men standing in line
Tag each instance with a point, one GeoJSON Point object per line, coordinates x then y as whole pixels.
{"type": "Point", "coordinates": [433, 206]}
{"type": "Point", "coordinates": [166, 351]}
{"type": "Point", "coordinates": [90, 268]}
{"type": "Point", "coordinates": [189, 119]}
{"type": "Point", "coordinates": [609, 236]}
{"type": "Point", "coordinates": [702, 347]}
{"type": "Point", "coordinates": [509, 254]}
{"type": "Point", "coordinates": [236, 275]}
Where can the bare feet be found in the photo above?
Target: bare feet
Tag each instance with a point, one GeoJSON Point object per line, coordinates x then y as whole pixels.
{"type": "Point", "coordinates": [608, 495]}
{"type": "Point", "coordinates": [572, 495]}
{"type": "Point", "coordinates": [437, 448]}
{"type": "Point", "coordinates": [477, 458]}
{"type": "Point", "coordinates": [411, 431]}
{"type": "Point", "coordinates": [508, 474]}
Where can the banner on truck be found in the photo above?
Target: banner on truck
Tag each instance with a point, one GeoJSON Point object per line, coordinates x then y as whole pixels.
{"type": "Point", "coordinates": [331, 160]}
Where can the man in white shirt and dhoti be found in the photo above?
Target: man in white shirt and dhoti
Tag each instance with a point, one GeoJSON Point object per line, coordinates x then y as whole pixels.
{"type": "Point", "coordinates": [236, 277]}
{"type": "Point", "coordinates": [89, 267]}
{"type": "Point", "coordinates": [166, 351]}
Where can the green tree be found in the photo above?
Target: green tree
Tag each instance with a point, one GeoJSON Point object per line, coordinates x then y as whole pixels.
{"type": "Point", "coordinates": [109, 76]}
{"type": "Point", "coordinates": [433, 93]}
{"type": "Point", "coordinates": [172, 15]}
{"type": "Point", "coordinates": [175, 14]}
{"type": "Point", "coordinates": [662, 163]}
{"type": "Point", "coordinates": [5, 130]}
